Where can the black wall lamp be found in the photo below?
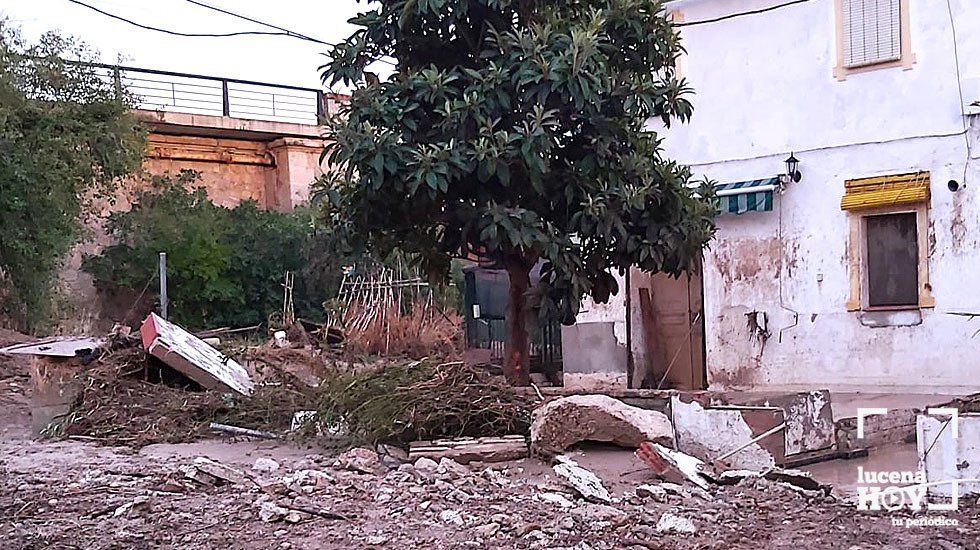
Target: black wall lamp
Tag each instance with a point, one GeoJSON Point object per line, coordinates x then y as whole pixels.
{"type": "Point", "coordinates": [792, 170]}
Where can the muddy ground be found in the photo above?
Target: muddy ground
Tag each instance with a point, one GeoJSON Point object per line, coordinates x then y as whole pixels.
{"type": "Point", "coordinates": [76, 494]}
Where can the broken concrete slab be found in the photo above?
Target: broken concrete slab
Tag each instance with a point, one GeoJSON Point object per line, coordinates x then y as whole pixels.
{"type": "Point", "coordinates": [809, 420]}
{"type": "Point", "coordinates": [188, 354]}
{"type": "Point", "coordinates": [564, 422]}
{"type": "Point", "coordinates": [219, 471]}
{"type": "Point", "coordinates": [950, 456]}
{"type": "Point", "coordinates": [466, 450]}
{"type": "Point", "coordinates": [712, 432]}
{"type": "Point", "coordinates": [581, 480]}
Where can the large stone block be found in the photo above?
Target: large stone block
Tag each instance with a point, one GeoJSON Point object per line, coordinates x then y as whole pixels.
{"type": "Point", "coordinates": [561, 423]}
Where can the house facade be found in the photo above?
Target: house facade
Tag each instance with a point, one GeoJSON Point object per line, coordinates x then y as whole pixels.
{"type": "Point", "coordinates": [865, 273]}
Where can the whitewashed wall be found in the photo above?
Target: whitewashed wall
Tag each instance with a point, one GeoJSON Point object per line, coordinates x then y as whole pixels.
{"type": "Point", "coordinates": [765, 86]}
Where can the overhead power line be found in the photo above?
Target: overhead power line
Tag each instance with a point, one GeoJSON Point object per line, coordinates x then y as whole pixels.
{"type": "Point", "coordinates": [740, 14]}
{"type": "Point", "coordinates": [280, 31]}
{"type": "Point", "coordinates": [263, 23]}
{"type": "Point", "coordinates": [172, 32]}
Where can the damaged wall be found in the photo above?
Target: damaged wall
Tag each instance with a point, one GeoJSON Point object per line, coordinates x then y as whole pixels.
{"type": "Point", "coordinates": [788, 269]}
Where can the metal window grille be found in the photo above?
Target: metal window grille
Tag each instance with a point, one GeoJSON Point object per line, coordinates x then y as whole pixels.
{"type": "Point", "coordinates": [872, 32]}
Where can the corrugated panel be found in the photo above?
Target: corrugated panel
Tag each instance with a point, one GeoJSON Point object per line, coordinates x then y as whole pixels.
{"type": "Point", "coordinates": [885, 191]}
{"type": "Point", "coordinates": [872, 31]}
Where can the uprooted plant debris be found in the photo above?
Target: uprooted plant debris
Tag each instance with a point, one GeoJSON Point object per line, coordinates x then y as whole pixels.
{"type": "Point", "coordinates": [128, 398]}
{"type": "Point", "coordinates": [401, 402]}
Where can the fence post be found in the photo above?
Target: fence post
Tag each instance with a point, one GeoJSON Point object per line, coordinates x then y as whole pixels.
{"type": "Point", "coordinates": [117, 81]}
{"type": "Point", "coordinates": [163, 285]}
{"type": "Point", "coordinates": [225, 101]}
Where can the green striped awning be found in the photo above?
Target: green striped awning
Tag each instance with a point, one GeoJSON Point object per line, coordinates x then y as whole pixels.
{"type": "Point", "coordinates": [747, 196]}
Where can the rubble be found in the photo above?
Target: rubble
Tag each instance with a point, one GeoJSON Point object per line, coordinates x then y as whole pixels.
{"type": "Point", "coordinates": [465, 450]}
{"type": "Point", "coordinates": [563, 422]}
{"type": "Point", "coordinates": [265, 465]}
{"type": "Point", "coordinates": [220, 471]}
{"type": "Point", "coordinates": [360, 460]}
{"type": "Point", "coordinates": [672, 523]}
{"type": "Point", "coordinates": [674, 465]}
{"type": "Point", "coordinates": [583, 481]}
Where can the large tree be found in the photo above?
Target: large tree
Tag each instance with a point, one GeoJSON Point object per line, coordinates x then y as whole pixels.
{"type": "Point", "coordinates": [65, 135]}
{"type": "Point", "coordinates": [516, 130]}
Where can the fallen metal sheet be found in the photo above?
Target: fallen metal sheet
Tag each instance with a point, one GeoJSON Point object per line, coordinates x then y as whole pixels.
{"type": "Point", "coordinates": [710, 432]}
{"type": "Point", "coordinates": [68, 346]}
{"type": "Point", "coordinates": [191, 356]}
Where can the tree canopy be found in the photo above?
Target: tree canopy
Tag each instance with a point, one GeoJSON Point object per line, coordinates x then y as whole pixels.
{"type": "Point", "coordinates": [65, 134]}
{"type": "Point", "coordinates": [518, 131]}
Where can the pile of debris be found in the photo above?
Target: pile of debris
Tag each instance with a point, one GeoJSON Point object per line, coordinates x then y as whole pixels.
{"type": "Point", "coordinates": [166, 385]}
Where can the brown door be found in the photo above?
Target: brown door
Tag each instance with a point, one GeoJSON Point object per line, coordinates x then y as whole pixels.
{"type": "Point", "coordinates": [667, 331]}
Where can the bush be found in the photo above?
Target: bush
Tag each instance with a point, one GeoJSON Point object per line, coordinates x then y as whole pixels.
{"type": "Point", "coordinates": [225, 266]}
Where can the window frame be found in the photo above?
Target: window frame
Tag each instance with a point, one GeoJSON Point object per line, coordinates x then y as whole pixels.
{"type": "Point", "coordinates": [906, 60]}
{"type": "Point", "coordinates": [858, 257]}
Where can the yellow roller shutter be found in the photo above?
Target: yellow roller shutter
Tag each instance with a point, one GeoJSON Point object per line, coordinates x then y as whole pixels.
{"type": "Point", "coordinates": [885, 191]}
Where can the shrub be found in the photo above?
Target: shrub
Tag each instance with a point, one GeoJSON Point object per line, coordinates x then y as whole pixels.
{"type": "Point", "coordinates": [225, 266]}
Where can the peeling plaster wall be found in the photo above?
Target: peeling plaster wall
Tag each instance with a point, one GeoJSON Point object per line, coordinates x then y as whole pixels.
{"type": "Point", "coordinates": [765, 86]}
{"type": "Point", "coordinates": [594, 353]}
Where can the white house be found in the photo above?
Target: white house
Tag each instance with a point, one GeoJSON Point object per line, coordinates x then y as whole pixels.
{"type": "Point", "coordinates": [865, 274]}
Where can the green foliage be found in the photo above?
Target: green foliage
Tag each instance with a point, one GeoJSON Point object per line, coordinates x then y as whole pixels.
{"type": "Point", "coordinates": [516, 130]}
{"type": "Point", "coordinates": [225, 267]}
{"type": "Point", "coordinates": [65, 135]}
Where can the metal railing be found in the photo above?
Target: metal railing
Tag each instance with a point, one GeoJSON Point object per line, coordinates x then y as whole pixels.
{"type": "Point", "coordinates": [208, 95]}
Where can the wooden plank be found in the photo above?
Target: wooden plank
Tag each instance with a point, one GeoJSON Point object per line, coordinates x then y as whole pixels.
{"type": "Point", "coordinates": [489, 449]}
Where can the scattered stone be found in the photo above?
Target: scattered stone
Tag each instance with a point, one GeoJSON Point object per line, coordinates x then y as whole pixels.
{"type": "Point", "coordinates": [672, 523]}
{"type": "Point", "coordinates": [487, 531]}
{"type": "Point", "coordinates": [360, 460]}
{"type": "Point", "coordinates": [426, 466]}
{"type": "Point", "coordinates": [557, 499]}
{"type": "Point", "coordinates": [269, 511]}
{"type": "Point", "coordinates": [561, 423]}
{"type": "Point", "coordinates": [220, 471]}
{"type": "Point", "coordinates": [126, 508]}
{"type": "Point", "coordinates": [454, 468]}
{"type": "Point", "coordinates": [451, 516]}
{"type": "Point", "coordinates": [265, 465]}
{"type": "Point", "coordinates": [583, 481]}
{"type": "Point", "coordinates": [654, 492]}
{"type": "Point", "coordinates": [593, 513]}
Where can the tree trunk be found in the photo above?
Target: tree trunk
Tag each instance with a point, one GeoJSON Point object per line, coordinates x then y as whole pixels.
{"type": "Point", "coordinates": [517, 360]}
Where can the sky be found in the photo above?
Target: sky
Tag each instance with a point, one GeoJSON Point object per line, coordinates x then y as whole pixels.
{"type": "Point", "coordinates": [273, 59]}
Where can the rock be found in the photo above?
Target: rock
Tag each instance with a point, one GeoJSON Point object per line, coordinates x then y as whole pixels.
{"type": "Point", "coordinates": [557, 499]}
{"type": "Point", "coordinates": [672, 523]}
{"type": "Point", "coordinates": [561, 423]}
{"type": "Point", "coordinates": [125, 508]}
{"type": "Point", "coordinates": [426, 466]}
{"type": "Point", "coordinates": [600, 513]}
{"type": "Point", "coordinates": [376, 540]}
{"type": "Point", "coordinates": [451, 516]}
{"type": "Point", "coordinates": [583, 481]}
{"type": "Point", "coordinates": [654, 492]}
{"type": "Point", "coordinates": [454, 468]}
{"type": "Point", "coordinates": [487, 531]}
{"type": "Point", "coordinates": [360, 460]}
{"type": "Point", "coordinates": [219, 470]}
{"type": "Point", "coordinates": [266, 465]}
{"type": "Point", "coordinates": [269, 511]}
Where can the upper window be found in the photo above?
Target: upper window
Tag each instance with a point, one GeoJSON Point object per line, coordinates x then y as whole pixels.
{"type": "Point", "coordinates": [872, 34]}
